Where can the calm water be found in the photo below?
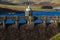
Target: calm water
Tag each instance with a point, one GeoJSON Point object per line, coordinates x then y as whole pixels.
{"type": "Point", "coordinates": [46, 13]}
{"type": "Point", "coordinates": [35, 13]}
{"type": "Point", "coordinates": [9, 14]}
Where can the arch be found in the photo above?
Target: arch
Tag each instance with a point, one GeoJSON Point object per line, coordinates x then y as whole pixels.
{"type": "Point", "coordinates": [22, 21]}
{"type": "Point", "coordinates": [38, 21]}
{"type": "Point", "coordinates": [10, 21]}
{"type": "Point", "coordinates": [48, 21]}
{"type": "Point", "coordinates": [0, 22]}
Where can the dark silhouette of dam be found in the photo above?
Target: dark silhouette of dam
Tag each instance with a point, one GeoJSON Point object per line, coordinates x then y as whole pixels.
{"type": "Point", "coordinates": [29, 25]}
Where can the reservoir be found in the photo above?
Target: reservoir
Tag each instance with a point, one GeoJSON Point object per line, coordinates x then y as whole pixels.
{"type": "Point", "coordinates": [34, 13]}
{"type": "Point", "coordinates": [38, 13]}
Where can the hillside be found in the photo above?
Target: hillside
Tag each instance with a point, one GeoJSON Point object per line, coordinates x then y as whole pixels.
{"type": "Point", "coordinates": [36, 1]}
{"type": "Point", "coordinates": [23, 7]}
{"type": "Point", "coordinates": [36, 4]}
{"type": "Point", "coordinates": [56, 37]}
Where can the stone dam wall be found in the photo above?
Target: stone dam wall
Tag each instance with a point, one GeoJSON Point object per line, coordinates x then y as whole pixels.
{"type": "Point", "coordinates": [30, 30]}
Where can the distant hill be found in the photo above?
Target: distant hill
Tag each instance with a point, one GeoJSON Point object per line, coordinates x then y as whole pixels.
{"type": "Point", "coordinates": [8, 3]}
{"type": "Point", "coordinates": [40, 2]}
{"type": "Point", "coordinates": [36, 1]}
{"type": "Point", "coordinates": [45, 3]}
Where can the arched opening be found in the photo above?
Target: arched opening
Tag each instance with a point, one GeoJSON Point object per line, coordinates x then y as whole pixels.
{"type": "Point", "coordinates": [48, 21]}
{"type": "Point", "coordinates": [22, 23]}
{"type": "Point", "coordinates": [38, 21]}
{"type": "Point", "coordinates": [0, 22]}
{"type": "Point", "coordinates": [9, 22]}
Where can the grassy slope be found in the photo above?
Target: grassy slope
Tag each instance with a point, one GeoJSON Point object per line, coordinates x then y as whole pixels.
{"type": "Point", "coordinates": [18, 7]}
{"type": "Point", "coordinates": [56, 37]}
{"type": "Point", "coordinates": [35, 7]}
{"type": "Point", "coordinates": [12, 7]}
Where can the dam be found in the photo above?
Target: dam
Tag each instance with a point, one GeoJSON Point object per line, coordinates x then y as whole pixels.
{"type": "Point", "coordinates": [29, 25]}
{"type": "Point", "coordinates": [35, 14]}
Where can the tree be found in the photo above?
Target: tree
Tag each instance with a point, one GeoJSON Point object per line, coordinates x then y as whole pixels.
{"type": "Point", "coordinates": [47, 7]}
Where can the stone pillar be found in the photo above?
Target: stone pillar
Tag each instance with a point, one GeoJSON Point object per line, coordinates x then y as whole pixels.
{"type": "Point", "coordinates": [44, 29]}
{"type": "Point", "coordinates": [16, 22]}
{"type": "Point", "coordinates": [4, 19]}
{"type": "Point", "coordinates": [30, 18]}
{"type": "Point", "coordinates": [52, 21]}
{"type": "Point", "coordinates": [44, 21]}
{"type": "Point", "coordinates": [28, 13]}
{"type": "Point", "coordinates": [56, 21]}
{"type": "Point", "coordinates": [56, 24]}
{"type": "Point", "coordinates": [30, 22]}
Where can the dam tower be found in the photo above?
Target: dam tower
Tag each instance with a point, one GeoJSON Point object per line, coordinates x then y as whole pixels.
{"type": "Point", "coordinates": [28, 13]}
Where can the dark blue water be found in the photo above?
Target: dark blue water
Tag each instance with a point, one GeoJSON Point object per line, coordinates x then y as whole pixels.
{"type": "Point", "coordinates": [34, 13]}
{"type": "Point", "coordinates": [45, 13]}
{"type": "Point", "coordinates": [16, 14]}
